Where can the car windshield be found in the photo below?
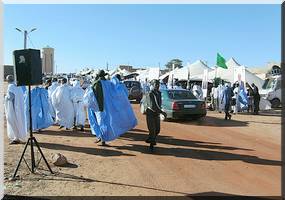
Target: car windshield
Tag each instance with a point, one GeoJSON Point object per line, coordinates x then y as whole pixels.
{"type": "Point", "coordinates": [180, 94]}
{"type": "Point", "coordinates": [269, 83]}
{"type": "Point", "coordinates": [130, 84]}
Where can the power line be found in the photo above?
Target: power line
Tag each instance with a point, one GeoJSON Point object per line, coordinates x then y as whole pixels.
{"type": "Point", "coordinates": [30, 40]}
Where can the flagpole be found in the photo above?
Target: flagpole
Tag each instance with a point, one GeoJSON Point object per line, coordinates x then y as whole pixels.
{"type": "Point", "coordinates": [172, 83]}
{"type": "Point", "coordinates": [188, 78]}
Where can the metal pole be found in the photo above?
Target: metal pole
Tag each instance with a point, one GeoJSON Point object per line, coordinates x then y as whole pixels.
{"type": "Point", "coordinates": [31, 131]}
{"type": "Point", "coordinates": [172, 81]}
{"type": "Point", "coordinates": [25, 39]}
{"type": "Point", "coordinates": [30, 112]}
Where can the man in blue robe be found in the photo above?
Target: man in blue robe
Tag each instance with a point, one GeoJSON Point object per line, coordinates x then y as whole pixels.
{"type": "Point", "coordinates": [41, 115]}
{"type": "Point", "coordinates": [226, 100]}
{"type": "Point", "coordinates": [107, 119]}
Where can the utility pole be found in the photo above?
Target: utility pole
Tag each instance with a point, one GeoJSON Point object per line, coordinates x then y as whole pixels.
{"type": "Point", "coordinates": [25, 35]}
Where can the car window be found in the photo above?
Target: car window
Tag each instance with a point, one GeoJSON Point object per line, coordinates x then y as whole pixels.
{"type": "Point", "coordinates": [180, 94]}
{"type": "Point", "coordinates": [278, 85]}
{"type": "Point", "coordinates": [163, 94]}
{"type": "Point", "coordinates": [137, 84]}
{"type": "Point", "coordinates": [127, 84]}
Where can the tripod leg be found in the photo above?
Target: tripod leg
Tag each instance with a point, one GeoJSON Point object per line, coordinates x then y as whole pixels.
{"type": "Point", "coordinates": [22, 156]}
{"type": "Point", "coordinates": [37, 144]}
{"type": "Point", "coordinates": [32, 156]}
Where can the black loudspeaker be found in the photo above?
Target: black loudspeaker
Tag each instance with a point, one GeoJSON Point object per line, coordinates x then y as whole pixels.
{"type": "Point", "coordinates": [28, 67]}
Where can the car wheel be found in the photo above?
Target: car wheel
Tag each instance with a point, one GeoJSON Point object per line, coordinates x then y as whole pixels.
{"type": "Point", "coordinates": [202, 118]}
{"type": "Point", "coordinates": [275, 103]}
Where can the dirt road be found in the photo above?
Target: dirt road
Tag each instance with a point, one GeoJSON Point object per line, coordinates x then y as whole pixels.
{"type": "Point", "coordinates": [238, 157]}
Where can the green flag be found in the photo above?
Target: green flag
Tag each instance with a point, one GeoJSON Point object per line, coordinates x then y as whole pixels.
{"type": "Point", "coordinates": [221, 62]}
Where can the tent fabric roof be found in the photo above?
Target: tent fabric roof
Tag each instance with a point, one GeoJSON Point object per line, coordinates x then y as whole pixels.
{"type": "Point", "coordinates": [149, 74]}
{"type": "Point", "coordinates": [232, 62]}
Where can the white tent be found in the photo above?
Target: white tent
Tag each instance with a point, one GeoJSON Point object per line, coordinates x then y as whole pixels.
{"type": "Point", "coordinates": [195, 70]}
{"type": "Point", "coordinates": [232, 73]}
{"type": "Point", "coordinates": [225, 74]}
{"type": "Point", "coordinates": [198, 67]}
{"type": "Point", "coordinates": [149, 74]}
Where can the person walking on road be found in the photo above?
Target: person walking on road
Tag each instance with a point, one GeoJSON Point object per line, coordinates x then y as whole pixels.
{"type": "Point", "coordinates": [226, 100]}
{"type": "Point", "coordinates": [98, 92]}
{"type": "Point", "coordinates": [256, 98]}
{"type": "Point", "coordinates": [152, 114]}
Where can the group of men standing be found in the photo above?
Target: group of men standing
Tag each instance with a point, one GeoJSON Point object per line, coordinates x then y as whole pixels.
{"type": "Point", "coordinates": [237, 98]}
{"type": "Point", "coordinates": [56, 103]}
{"type": "Point", "coordinates": [67, 104]}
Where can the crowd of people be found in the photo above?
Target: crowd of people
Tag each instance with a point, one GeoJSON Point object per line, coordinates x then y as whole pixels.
{"type": "Point", "coordinates": [235, 99]}
{"type": "Point", "coordinates": [60, 102]}
{"type": "Point", "coordinates": [194, 87]}
{"type": "Point", "coordinates": [63, 103]}
{"type": "Point", "coordinates": [224, 97]}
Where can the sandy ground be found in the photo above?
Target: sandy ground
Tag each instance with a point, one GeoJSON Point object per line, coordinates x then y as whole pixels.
{"type": "Point", "coordinates": [209, 156]}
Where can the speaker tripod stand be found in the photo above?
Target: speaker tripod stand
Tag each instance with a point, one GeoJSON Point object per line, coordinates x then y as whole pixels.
{"type": "Point", "coordinates": [33, 142]}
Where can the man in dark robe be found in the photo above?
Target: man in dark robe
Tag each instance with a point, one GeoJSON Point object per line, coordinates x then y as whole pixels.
{"type": "Point", "coordinates": [256, 99]}
{"type": "Point", "coordinates": [153, 112]}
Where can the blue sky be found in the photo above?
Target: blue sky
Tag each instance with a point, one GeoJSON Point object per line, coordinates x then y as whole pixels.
{"type": "Point", "coordinates": [145, 35]}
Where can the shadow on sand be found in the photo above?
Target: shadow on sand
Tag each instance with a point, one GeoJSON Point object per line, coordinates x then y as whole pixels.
{"type": "Point", "coordinates": [87, 150]}
{"type": "Point", "coordinates": [132, 136]}
{"type": "Point", "coordinates": [68, 133]}
{"type": "Point", "coordinates": [212, 121]}
{"type": "Point", "coordinates": [201, 154]}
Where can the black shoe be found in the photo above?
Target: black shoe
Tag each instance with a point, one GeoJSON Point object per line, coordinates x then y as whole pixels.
{"type": "Point", "coordinates": [60, 127]}
{"type": "Point", "coordinates": [104, 143]}
{"type": "Point", "coordinates": [151, 148]}
{"type": "Point", "coordinates": [147, 140]}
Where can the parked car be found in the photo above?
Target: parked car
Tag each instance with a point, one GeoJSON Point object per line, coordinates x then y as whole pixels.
{"type": "Point", "coordinates": [271, 90]}
{"type": "Point", "coordinates": [179, 104]}
{"type": "Point", "coordinates": [134, 89]}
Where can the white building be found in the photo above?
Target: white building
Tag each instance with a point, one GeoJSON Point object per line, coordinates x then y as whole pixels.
{"type": "Point", "coordinates": [48, 60]}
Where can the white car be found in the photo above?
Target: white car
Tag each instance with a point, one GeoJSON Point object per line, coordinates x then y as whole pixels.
{"type": "Point", "coordinates": [271, 90]}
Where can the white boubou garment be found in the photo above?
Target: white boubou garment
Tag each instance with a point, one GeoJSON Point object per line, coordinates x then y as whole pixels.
{"type": "Point", "coordinates": [77, 99]}
{"type": "Point", "coordinates": [64, 110]}
{"type": "Point", "coordinates": [15, 114]}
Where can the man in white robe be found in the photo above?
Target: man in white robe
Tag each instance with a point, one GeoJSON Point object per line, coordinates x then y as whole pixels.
{"type": "Point", "coordinates": [221, 89]}
{"type": "Point", "coordinates": [64, 110]}
{"type": "Point", "coordinates": [236, 91]}
{"type": "Point", "coordinates": [197, 91]}
{"type": "Point", "coordinates": [51, 89]}
{"type": "Point", "coordinates": [15, 113]}
{"type": "Point", "coordinates": [77, 99]}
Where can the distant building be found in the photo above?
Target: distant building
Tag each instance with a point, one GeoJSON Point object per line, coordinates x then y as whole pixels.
{"type": "Point", "coordinates": [8, 70]}
{"type": "Point", "coordinates": [271, 69]}
{"type": "Point", "coordinates": [126, 67]}
{"type": "Point", "coordinates": [48, 60]}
